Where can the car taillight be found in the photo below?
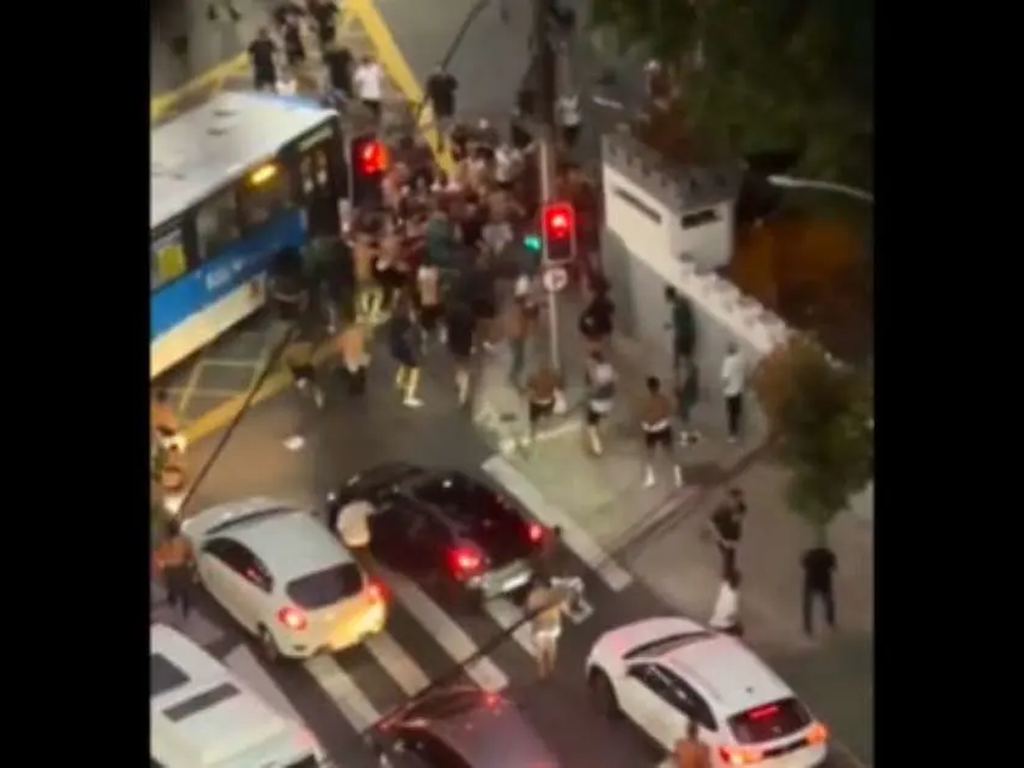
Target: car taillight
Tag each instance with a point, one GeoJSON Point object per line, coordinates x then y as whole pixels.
{"type": "Point", "coordinates": [535, 532]}
{"type": "Point", "coordinates": [292, 618]}
{"type": "Point", "coordinates": [817, 734]}
{"type": "Point", "coordinates": [375, 592]}
{"type": "Point", "coordinates": [466, 560]}
{"type": "Point", "coordinates": [739, 755]}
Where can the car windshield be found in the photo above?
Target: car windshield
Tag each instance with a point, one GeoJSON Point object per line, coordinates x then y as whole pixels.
{"type": "Point", "coordinates": [327, 587]}
{"type": "Point", "coordinates": [768, 722]}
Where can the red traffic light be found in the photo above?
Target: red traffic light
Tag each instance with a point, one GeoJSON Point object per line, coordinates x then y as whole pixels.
{"type": "Point", "coordinates": [558, 221]}
{"type": "Point", "coordinates": [372, 157]}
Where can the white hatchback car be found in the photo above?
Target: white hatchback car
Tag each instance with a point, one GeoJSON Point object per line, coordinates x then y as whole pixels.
{"type": "Point", "coordinates": [284, 578]}
{"type": "Point", "coordinates": [661, 673]}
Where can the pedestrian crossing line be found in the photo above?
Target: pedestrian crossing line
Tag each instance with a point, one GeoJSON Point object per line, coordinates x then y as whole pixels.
{"type": "Point", "coordinates": [449, 635]}
{"type": "Point", "coordinates": [507, 615]}
{"type": "Point", "coordinates": [402, 668]}
{"type": "Point", "coordinates": [573, 534]}
{"type": "Point", "coordinates": [346, 695]}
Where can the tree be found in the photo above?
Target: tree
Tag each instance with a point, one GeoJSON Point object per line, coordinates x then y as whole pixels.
{"type": "Point", "coordinates": [820, 417]}
{"type": "Point", "coordinates": [773, 73]}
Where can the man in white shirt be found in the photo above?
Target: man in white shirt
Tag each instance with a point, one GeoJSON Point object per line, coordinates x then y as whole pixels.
{"type": "Point", "coordinates": [352, 526]}
{"type": "Point", "coordinates": [368, 80]}
{"type": "Point", "coordinates": [734, 382]}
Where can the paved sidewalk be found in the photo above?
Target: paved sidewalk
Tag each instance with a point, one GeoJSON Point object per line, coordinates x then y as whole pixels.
{"type": "Point", "coordinates": [658, 533]}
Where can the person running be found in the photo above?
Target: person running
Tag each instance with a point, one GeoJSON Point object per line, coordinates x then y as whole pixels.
{"type": "Point", "coordinates": [427, 288]}
{"type": "Point", "coordinates": [405, 344]}
{"type": "Point", "coordinates": [261, 55]}
{"type": "Point", "coordinates": [173, 560]}
{"type": "Point", "coordinates": [600, 397]}
{"type": "Point", "coordinates": [461, 327]}
{"type": "Point", "coordinates": [351, 346]}
{"type": "Point", "coordinates": [545, 605]}
{"type": "Point", "coordinates": [656, 423]}
{"type": "Point", "coordinates": [542, 390]}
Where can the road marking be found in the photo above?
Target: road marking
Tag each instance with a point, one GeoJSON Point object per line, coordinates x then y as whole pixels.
{"type": "Point", "coordinates": [507, 616]}
{"type": "Point", "coordinates": [446, 632]}
{"type": "Point", "coordinates": [243, 663]}
{"type": "Point", "coordinates": [402, 668]}
{"type": "Point", "coordinates": [345, 694]}
{"type": "Point", "coordinates": [574, 536]}
{"type": "Point", "coordinates": [572, 426]}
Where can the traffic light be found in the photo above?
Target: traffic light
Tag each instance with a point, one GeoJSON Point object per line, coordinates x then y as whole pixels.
{"type": "Point", "coordinates": [368, 159]}
{"type": "Point", "coordinates": [558, 224]}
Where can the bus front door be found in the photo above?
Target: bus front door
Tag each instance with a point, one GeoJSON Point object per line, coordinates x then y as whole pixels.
{"type": "Point", "coordinates": [319, 196]}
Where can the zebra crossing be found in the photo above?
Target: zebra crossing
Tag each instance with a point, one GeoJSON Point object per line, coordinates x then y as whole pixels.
{"type": "Point", "coordinates": [425, 641]}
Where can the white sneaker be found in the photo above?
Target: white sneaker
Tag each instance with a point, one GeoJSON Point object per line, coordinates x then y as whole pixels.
{"type": "Point", "coordinates": [412, 402]}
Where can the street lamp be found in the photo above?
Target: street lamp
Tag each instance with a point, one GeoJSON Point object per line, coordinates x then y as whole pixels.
{"type": "Point", "coordinates": [789, 182]}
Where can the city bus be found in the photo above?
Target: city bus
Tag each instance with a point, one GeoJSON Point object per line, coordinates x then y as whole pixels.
{"type": "Point", "coordinates": [232, 183]}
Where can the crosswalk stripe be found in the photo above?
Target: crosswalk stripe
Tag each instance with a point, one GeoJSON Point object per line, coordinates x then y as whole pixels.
{"type": "Point", "coordinates": [448, 634]}
{"type": "Point", "coordinates": [507, 615]}
{"type": "Point", "coordinates": [573, 535]}
{"type": "Point", "coordinates": [345, 694]}
{"type": "Point", "coordinates": [402, 668]}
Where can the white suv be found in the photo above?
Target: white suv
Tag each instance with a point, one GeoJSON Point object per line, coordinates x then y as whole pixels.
{"type": "Point", "coordinates": [661, 673]}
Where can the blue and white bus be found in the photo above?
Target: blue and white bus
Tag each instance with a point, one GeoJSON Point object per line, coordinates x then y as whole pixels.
{"type": "Point", "coordinates": [233, 182]}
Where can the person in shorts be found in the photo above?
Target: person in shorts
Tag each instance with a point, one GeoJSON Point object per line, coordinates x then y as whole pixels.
{"type": "Point", "coordinates": [600, 397]}
{"type": "Point", "coordinates": [656, 412]}
{"type": "Point", "coordinates": [542, 390]}
{"type": "Point", "coordinates": [403, 338]}
{"type": "Point", "coordinates": [427, 289]}
{"type": "Point", "coordinates": [299, 361]}
{"type": "Point", "coordinates": [461, 327]}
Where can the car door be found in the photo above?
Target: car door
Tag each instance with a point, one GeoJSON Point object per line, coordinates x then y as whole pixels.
{"type": "Point", "coordinates": [247, 581]}
{"type": "Point", "coordinates": [686, 704]}
{"type": "Point", "coordinates": [213, 571]}
{"type": "Point", "coordinates": [648, 701]}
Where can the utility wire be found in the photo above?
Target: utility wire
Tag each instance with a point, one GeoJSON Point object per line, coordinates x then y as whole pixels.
{"type": "Point", "coordinates": [270, 365]}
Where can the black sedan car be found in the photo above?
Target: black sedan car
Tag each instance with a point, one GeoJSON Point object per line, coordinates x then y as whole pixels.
{"type": "Point", "coordinates": [456, 534]}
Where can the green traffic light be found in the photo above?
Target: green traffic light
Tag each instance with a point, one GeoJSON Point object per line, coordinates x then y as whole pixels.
{"type": "Point", "coordinates": [532, 242]}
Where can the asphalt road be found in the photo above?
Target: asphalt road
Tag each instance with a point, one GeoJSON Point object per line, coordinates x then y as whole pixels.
{"type": "Point", "coordinates": [337, 695]}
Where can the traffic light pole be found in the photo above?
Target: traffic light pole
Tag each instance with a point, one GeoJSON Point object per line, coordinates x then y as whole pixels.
{"type": "Point", "coordinates": [546, 96]}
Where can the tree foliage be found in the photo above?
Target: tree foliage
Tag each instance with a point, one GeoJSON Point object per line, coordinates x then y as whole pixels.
{"type": "Point", "coordinates": [774, 73]}
{"type": "Point", "coordinates": [820, 414]}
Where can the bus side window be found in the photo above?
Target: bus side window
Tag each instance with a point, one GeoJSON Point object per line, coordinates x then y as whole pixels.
{"type": "Point", "coordinates": [217, 223]}
{"type": "Point", "coordinates": [166, 259]}
{"type": "Point", "coordinates": [262, 201]}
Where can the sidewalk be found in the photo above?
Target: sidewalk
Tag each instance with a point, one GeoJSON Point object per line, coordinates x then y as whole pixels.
{"type": "Point", "coordinates": [663, 528]}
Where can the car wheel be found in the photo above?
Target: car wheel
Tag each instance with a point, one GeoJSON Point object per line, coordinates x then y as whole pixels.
{"type": "Point", "coordinates": [269, 646]}
{"type": "Point", "coordinates": [602, 694]}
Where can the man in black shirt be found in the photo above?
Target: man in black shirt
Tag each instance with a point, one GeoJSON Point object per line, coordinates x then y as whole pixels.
{"type": "Point", "coordinates": [261, 54]}
{"type": "Point", "coordinates": [338, 61]}
{"type": "Point", "coordinates": [441, 88]}
{"type": "Point", "coordinates": [818, 563]}
{"type": "Point", "coordinates": [727, 525]}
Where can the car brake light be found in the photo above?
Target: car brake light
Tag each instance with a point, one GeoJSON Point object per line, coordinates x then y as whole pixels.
{"type": "Point", "coordinates": [739, 756]}
{"type": "Point", "coordinates": [466, 559]}
{"type": "Point", "coordinates": [535, 532]}
{"type": "Point", "coordinates": [762, 712]}
{"type": "Point", "coordinates": [292, 618]}
{"type": "Point", "coordinates": [375, 592]}
{"type": "Point", "coordinates": [817, 734]}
